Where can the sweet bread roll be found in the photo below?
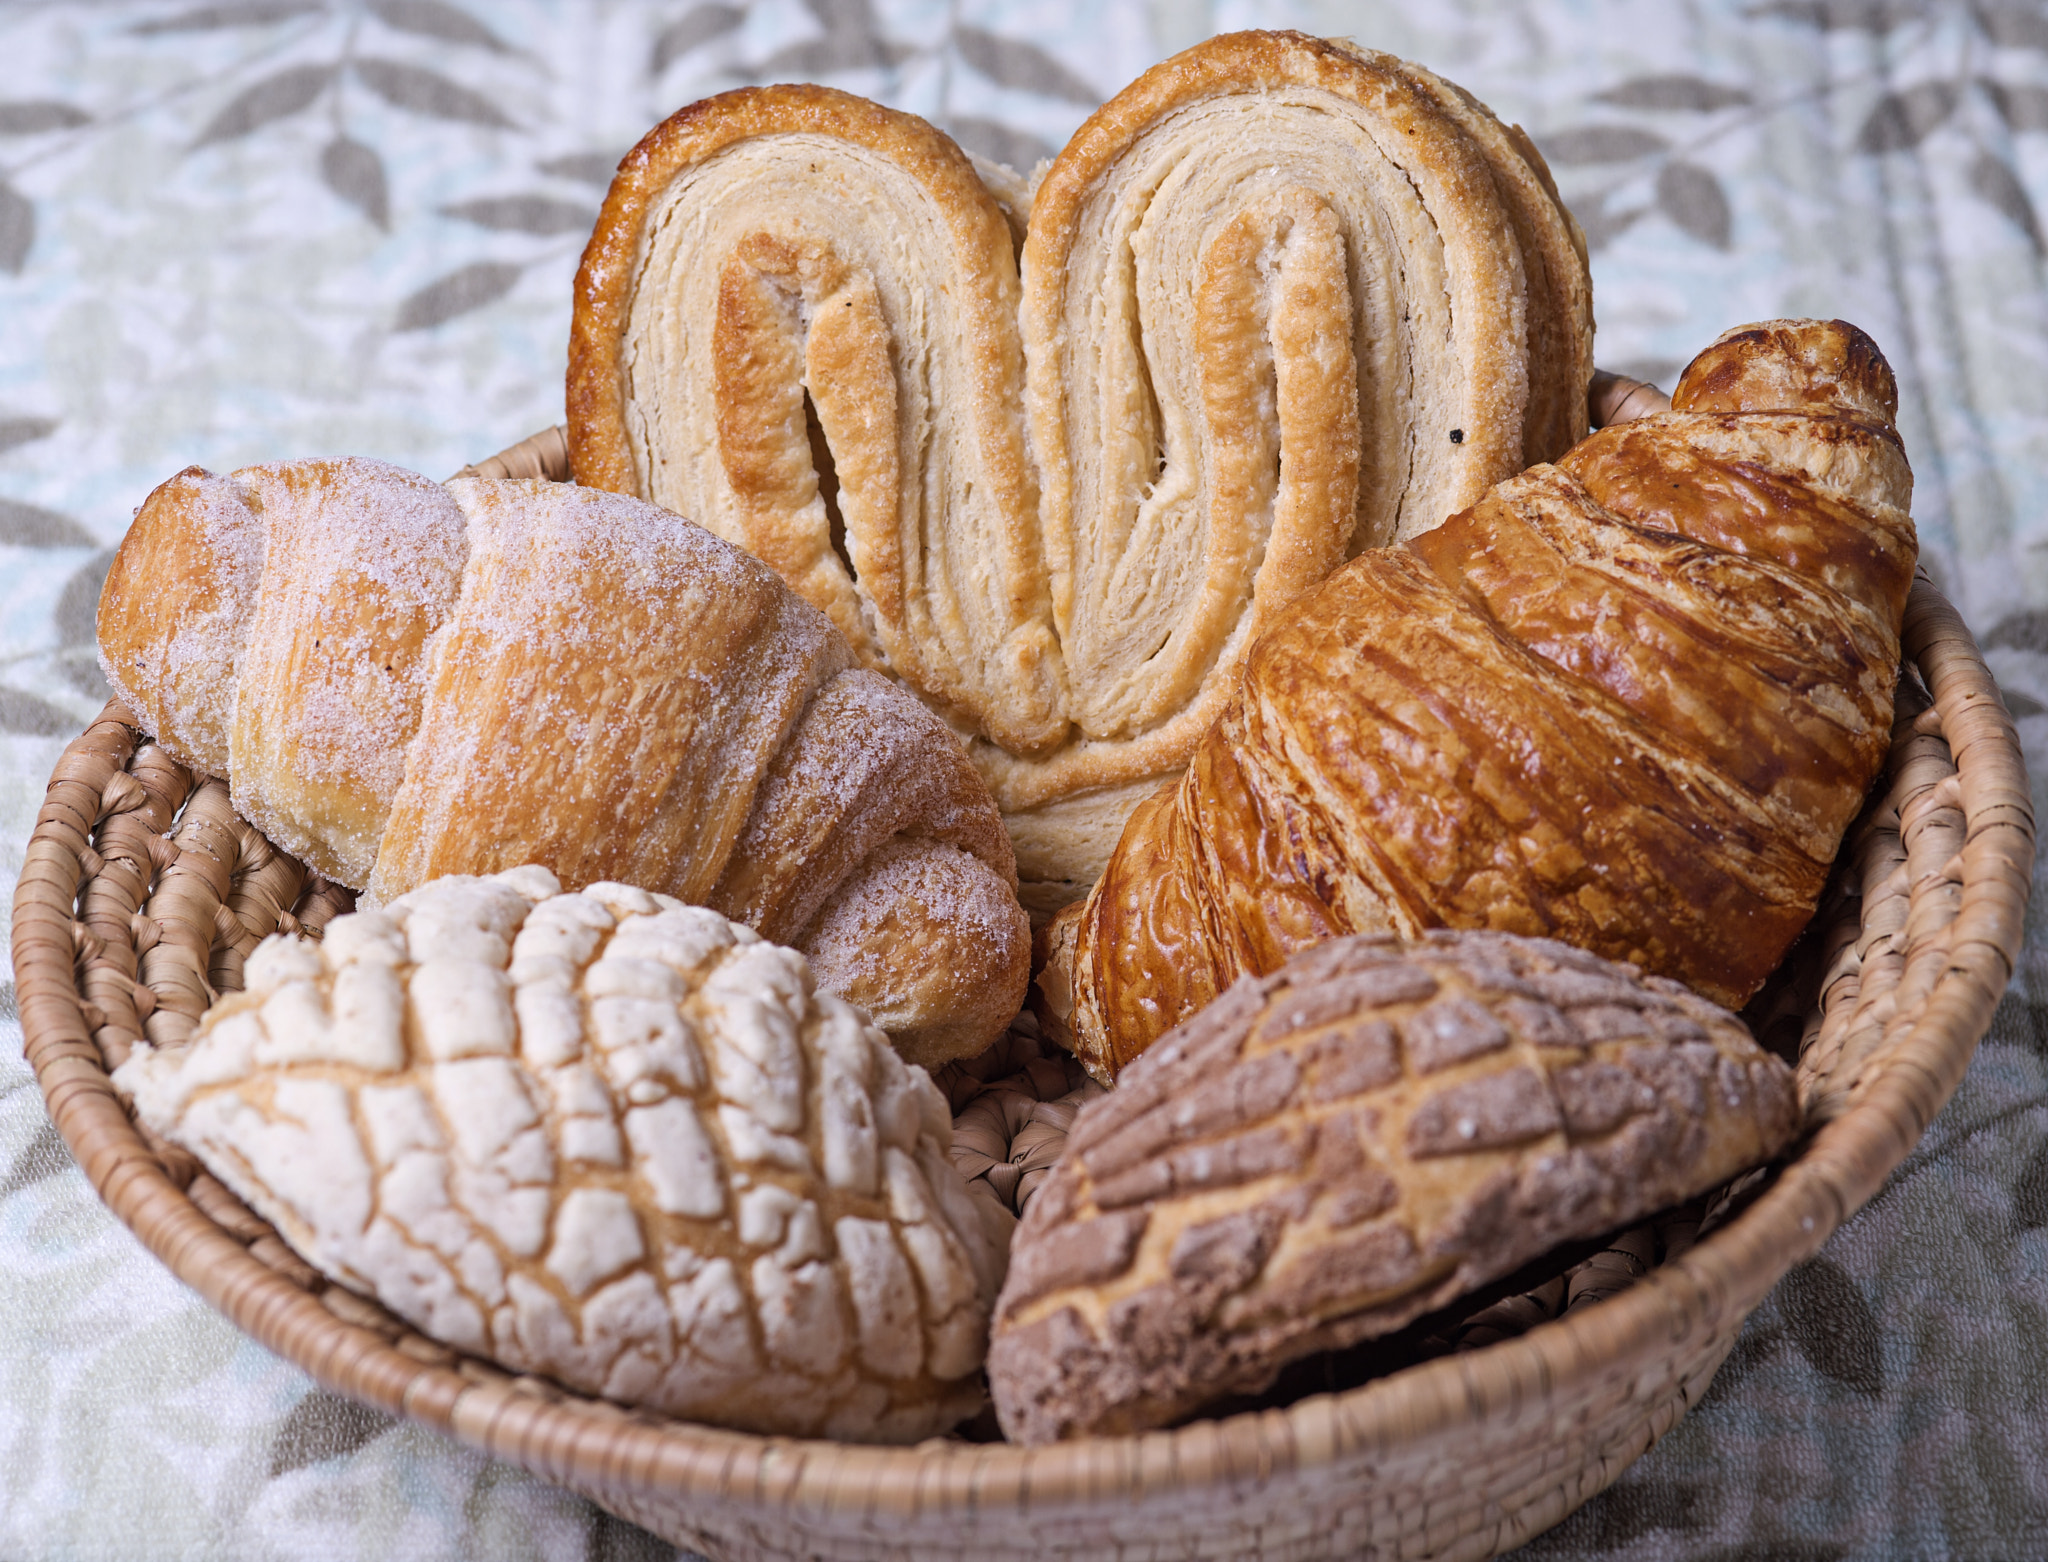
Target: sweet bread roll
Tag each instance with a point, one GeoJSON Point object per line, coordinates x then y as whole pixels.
{"type": "Point", "coordinates": [1630, 701]}
{"type": "Point", "coordinates": [606, 1137]}
{"type": "Point", "coordinates": [1324, 1154]}
{"type": "Point", "coordinates": [1281, 300]}
{"type": "Point", "coordinates": [403, 680]}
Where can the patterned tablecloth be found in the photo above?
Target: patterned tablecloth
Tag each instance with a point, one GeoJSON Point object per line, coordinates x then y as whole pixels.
{"type": "Point", "coordinates": [264, 228]}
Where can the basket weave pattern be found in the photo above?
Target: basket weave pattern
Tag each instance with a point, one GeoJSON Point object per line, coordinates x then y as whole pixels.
{"type": "Point", "coordinates": [142, 894]}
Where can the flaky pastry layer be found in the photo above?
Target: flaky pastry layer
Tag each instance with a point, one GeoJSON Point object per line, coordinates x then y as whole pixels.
{"type": "Point", "coordinates": [1278, 301]}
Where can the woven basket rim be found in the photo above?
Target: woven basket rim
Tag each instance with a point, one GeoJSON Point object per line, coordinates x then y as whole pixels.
{"type": "Point", "coordinates": [597, 1446]}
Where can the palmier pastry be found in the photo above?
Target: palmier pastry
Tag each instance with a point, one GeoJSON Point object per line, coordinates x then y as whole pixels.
{"type": "Point", "coordinates": [1280, 300]}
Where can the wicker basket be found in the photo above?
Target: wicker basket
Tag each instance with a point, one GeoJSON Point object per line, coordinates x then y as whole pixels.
{"type": "Point", "coordinates": [1466, 1455]}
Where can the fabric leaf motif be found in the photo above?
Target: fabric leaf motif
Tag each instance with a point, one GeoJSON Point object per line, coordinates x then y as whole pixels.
{"type": "Point", "coordinates": [2024, 631]}
{"type": "Point", "coordinates": [1998, 184]}
{"type": "Point", "coordinates": [426, 92]}
{"type": "Point", "coordinates": [2014, 26]}
{"type": "Point", "coordinates": [77, 612]}
{"type": "Point", "coordinates": [1693, 199]}
{"type": "Point", "coordinates": [1692, 93]}
{"type": "Point", "coordinates": [355, 172]}
{"type": "Point", "coordinates": [23, 431]}
{"type": "Point", "coordinates": [436, 19]}
{"type": "Point", "coordinates": [612, 1539]}
{"type": "Point", "coordinates": [271, 99]}
{"type": "Point", "coordinates": [844, 17]}
{"type": "Point", "coordinates": [484, 282]}
{"type": "Point", "coordinates": [80, 671]}
{"type": "Point", "coordinates": [324, 1426]}
{"type": "Point", "coordinates": [1601, 224]}
{"type": "Point", "coordinates": [1601, 144]}
{"type": "Point", "coordinates": [1011, 62]}
{"type": "Point", "coordinates": [1905, 119]}
{"type": "Point", "coordinates": [1633, 1510]}
{"type": "Point", "coordinates": [17, 228]}
{"type": "Point", "coordinates": [1753, 1347]}
{"type": "Point", "coordinates": [693, 29]}
{"type": "Point", "coordinates": [2022, 108]}
{"type": "Point", "coordinates": [823, 56]}
{"type": "Point", "coordinates": [853, 41]}
{"type": "Point", "coordinates": [1869, 16]}
{"type": "Point", "coordinates": [2030, 1191]}
{"type": "Point", "coordinates": [47, 1155]}
{"type": "Point", "coordinates": [998, 142]}
{"type": "Point", "coordinates": [34, 116]}
{"type": "Point", "coordinates": [208, 18]}
{"type": "Point", "coordinates": [586, 167]}
{"type": "Point", "coordinates": [1831, 1323]}
{"type": "Point", "coordinates": [21, 712]}
{"type": "Point", "coordinates": [31, 526]}
{"type": "Point", "coordinates": [525, 214]}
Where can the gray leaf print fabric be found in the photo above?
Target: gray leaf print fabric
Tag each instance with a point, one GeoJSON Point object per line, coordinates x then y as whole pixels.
{"type": "Point", "coordinates": [272, 228]}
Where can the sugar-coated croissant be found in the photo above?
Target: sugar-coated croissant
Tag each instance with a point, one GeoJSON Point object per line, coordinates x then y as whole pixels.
{"type": "Point", "coordinates": [1630, 701]}
{"type": "Point", "coordinates": [403, 680]}
{"type": "Point", "coordinates": [1279, 300]}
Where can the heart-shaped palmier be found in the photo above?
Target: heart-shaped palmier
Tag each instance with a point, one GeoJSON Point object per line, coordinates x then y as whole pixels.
{"type": "Point", "coordinates": [1278, 301]}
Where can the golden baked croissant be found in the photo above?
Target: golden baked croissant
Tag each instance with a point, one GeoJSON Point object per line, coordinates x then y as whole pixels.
{"type": "Point", "coordinates": [403, 680]}
{"type": "Point", "coordinates": [1630, 701]}
{"type": "Point", "coordinates": [1280, 300]}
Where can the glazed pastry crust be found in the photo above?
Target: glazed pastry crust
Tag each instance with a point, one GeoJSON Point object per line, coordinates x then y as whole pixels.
{"type": "Point", "coordinates": [1630, 701]}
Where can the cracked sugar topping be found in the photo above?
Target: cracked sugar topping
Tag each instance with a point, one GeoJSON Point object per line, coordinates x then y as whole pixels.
{"type": "Point", "coordinates": [606, 1137]}
{"type": "Point", "coordinates": [1324, 1154]}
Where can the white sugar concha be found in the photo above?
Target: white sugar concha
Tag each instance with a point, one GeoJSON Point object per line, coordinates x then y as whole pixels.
{"type": "Point", "coordinates": [607, 1137]}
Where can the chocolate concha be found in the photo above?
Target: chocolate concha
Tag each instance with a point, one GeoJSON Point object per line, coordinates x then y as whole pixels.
{"type": "Point", "coordinates": [1324, 1154]}
{"type": "Point", "coordinates": [606, 1137]}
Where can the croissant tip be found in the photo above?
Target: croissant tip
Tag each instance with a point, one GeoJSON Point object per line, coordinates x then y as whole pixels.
{"type": "Point", "coordinates": [1616, 398]}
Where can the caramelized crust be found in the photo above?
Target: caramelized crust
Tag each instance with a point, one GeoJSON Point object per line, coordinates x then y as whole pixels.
{"type": "Point", "coordinates": [1630, 701]}
{"type": "Point", "coordinates": [1281, 300]}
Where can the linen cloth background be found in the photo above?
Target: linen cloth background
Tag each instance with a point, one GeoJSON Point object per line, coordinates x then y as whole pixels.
{"type": "Point", "coordinates": [269, 228]}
